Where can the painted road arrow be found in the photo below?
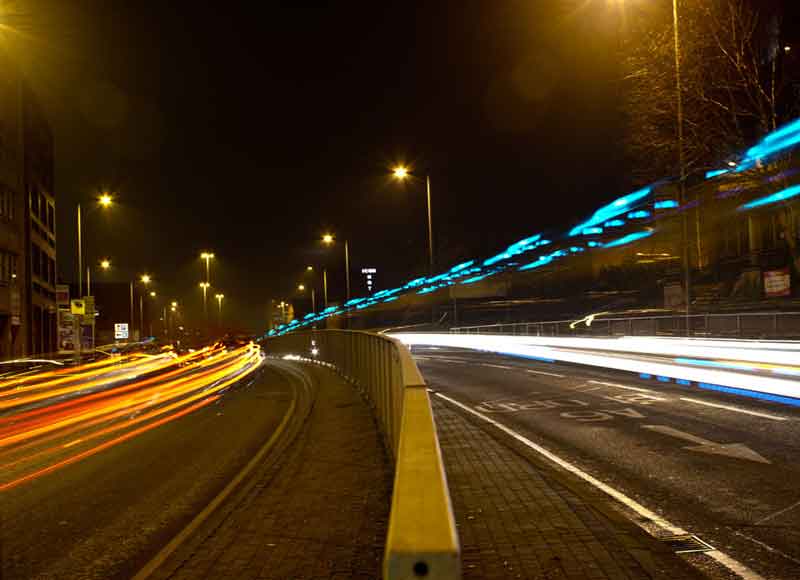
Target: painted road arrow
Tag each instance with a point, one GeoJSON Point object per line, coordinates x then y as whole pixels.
{"type": "Point", "coordinates": [735, 450]}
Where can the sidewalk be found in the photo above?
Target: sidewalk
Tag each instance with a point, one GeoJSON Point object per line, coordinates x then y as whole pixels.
{"type": "Point", "coordinates": [517, 519]}
{"type": "Point", "coordinates": [320, 511]}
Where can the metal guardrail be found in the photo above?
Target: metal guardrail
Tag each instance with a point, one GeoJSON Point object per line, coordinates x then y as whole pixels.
{"type": "Point", "coordinates": [741, 325]}
{"type": "Point", "coordinates": [422, 541]}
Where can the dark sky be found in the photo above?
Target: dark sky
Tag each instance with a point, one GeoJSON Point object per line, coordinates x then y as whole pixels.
{"type": "Point", "coordinates": [252, 128]}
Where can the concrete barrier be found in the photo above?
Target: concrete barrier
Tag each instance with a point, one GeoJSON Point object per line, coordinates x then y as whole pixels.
{"type": "Point", "coordinates": [422, 541]}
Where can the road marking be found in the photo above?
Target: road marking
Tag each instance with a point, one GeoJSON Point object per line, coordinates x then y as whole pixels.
{"type": "Point", "coordinates": [497, 366]}
{"type": "Point", "coordinates": [767, 547]}
{"type": "Point", "coordinates": [736, 450]}
{"type": "Point", "coordinates": [545, 373]}
{"type": "Point", "coordinates": [735, 409]}
{"type": "Point", "coordinates": [778, 513]}
{"type": "Point", "coordinates": [730, 563]}
{"type": "Point", "coordinates": [621, 386]}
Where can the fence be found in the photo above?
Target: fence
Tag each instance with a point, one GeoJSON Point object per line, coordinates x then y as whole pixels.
{"type": "Point", "coordinates": [769, 325]}
{"type": "Point", "coordinates": [422, 541]}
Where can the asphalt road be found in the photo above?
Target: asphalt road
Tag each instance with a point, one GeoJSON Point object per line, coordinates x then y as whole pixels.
{"type": "Point", "coordinates": [105, 516]}
{"type": "Point", "coordinates": [723, 467]}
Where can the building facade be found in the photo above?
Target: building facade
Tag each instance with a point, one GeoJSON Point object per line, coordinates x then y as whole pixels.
{"type": "Point", "coordinates": [27, 221]}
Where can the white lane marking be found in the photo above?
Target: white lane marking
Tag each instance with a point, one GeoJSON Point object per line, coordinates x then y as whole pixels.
{"type": "Point", "coordinates": [735, 409]}
{"type": "Point", "coordinates": [622, 387]}
{"type": "Point", "coordinates": [545, 373]}
{"type": "Point", "coordinates": [778, 513]}
{"type": "Point", "coordinates": [497, 366]}
{"type": "Point", "coordinates": [767, 547]}
{"type": "Point", "coordinates": [732, 565]}
{"type": "Point", "coordinates": [736, 450]}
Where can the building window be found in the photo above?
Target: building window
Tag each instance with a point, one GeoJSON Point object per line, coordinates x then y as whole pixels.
{"type": "Point", "coordinates": [42, 208]}
{"type": "Point", "coordinates": [8, 267]}
{"type": "Point", "coordinates": [6, 202]}
{"type": "Point", "coordinates": [51, 218]}
{"type": "Point", "coordinates": [36, 258]}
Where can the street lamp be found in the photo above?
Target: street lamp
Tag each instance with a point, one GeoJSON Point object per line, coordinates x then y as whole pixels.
{"type": "Point", "coordinates": [329, 240]}
{"type": "Point", "coordinates": [205, 286]}
{"type": "Point", "coordinates": [207, 256]}
{"type": "Point", "coordinates": [105, 200]}
{"type": "Point", "coordinates": [145, 279]}
{"type": "Point", "coordinates": [105, 264]}
{"type": "Point", "coordinates": [152, 294]}
{"type": "Point", "coordinates": [401, 173]}
{"type": "Point", "coordinates": [219, 298]}
{"type": "Point", "coordinates": [302, 288]}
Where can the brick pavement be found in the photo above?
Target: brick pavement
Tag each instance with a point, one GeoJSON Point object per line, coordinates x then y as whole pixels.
{"type": "Point", "coordinates": [519, 518]}
{"type": "Point", "coordinates": [319, 512]}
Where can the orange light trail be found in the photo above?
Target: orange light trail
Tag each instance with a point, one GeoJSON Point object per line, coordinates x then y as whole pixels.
{"type": "Point", "coordinates": [108, 402]}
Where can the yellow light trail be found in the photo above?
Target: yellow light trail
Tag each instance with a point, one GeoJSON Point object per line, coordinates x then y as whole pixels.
{"type": "Point", "coordinates": [124, 408]}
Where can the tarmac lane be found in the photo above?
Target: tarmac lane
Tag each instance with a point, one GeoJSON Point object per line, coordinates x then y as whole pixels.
{"type": "Point", "coordinates": [105, 515]}
{"type": "Point", "coordinates": [721, 466]}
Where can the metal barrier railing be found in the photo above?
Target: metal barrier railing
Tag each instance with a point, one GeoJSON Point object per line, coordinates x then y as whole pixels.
{"type": "Point", "coordinates": [422, 541]}
{"type": "Point", "coordinates": [739, 325]}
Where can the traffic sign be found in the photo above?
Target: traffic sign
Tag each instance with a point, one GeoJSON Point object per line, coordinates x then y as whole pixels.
{"type": "Point", "coordinates": [77, 306]}
{"type": "Point", "coordinates": [120, 330]}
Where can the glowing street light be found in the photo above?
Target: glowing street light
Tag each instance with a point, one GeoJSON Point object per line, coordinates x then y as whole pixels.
{"type": "Point", "coordinates": [309, 268]}
{"type": "Point", "coordinates": [328, 240]}
{"type": "Point", "coordinates": [301, 287]}
{"type": "Point", "coordinates": [105, 264]}
{"type": "Point", "coordinates": [105, 200]}
{"type": "Point", "coordinates": [401, 173]}
{"type": "Point", "coordinates": [174, 304]}
{"type": "Point", "coordinates": [145, 279]}
{"type": "Point", "coordinates": [219, 298]}
{"type": "Point", "coordinates": [152, 294]}
{"type": "Point", "coordinates": [207, 256]}
{"type": "Point", "coordinates": [205, 286]}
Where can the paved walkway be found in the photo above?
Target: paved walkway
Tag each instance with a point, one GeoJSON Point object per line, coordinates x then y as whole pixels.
{"type": "Point", "coordinates": [320, 511]}
{"type": "Point", "coordinates": [518, 518]}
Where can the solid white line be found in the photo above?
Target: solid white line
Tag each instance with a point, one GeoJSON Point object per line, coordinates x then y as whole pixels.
{"type": "Point", "coordinates": [648, 391]}
{"type": "Point", "coordinates": [735, 409]}
{"type": "Point", "coordinates": [733, 565]}
{"type": "Point", "coordinates": [778, 513]}
{"type": "Point", "coordinates": [545, 373]}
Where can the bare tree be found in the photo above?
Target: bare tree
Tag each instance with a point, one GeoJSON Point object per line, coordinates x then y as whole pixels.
{"type": "Point", "coordinates": [731, 79]}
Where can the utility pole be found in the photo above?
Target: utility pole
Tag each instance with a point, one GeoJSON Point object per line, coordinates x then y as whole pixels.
{"type": "Point", "coordinates": [682, 163]}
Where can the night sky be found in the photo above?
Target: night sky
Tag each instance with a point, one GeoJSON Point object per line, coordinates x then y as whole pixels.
{"type": "Point", "coordinates": [252, 131]}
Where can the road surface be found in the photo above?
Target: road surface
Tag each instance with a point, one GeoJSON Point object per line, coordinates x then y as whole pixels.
{"type": "Point", "coordinates": [105, 515]}
{"type": "Point", "coordinates": [723, 467]}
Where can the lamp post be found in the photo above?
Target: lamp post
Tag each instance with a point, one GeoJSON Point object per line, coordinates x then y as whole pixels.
{"type": "Point", "coordinates": [329, 240]}
{"type": "Point", "coordinates": [207, 256]}
{"type": "Point", "coordinates": [219, 298]}
{"type": "Point", "coordinates": [105, 200]}
{"type": "Point", "coordinates": [401, 173]}
{"type": "Point", "coordinates": [301, 288]}
{"type": "Point", "coordinates": [145, 279]}
{"type": "Point", "coordinates": [205, 286]}
{"type": "Point", "coordinates": [105, 264]}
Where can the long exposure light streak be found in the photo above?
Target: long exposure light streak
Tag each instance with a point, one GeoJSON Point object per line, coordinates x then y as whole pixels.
{"type": "Point", "coordinates": [55, 418]}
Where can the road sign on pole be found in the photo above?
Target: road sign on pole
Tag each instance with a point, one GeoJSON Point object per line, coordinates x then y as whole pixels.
{"type": "Point", "coordinates": [121, 331]}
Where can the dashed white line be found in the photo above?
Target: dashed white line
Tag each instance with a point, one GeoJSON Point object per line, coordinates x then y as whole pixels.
{"type": "Point", "coordinates": [648, 391]}
{"type": "Point", "coordinates": [545, 373]}
{"type": "Point", "coordinates": [730, 563]}
{"type": "Point", "coordinates": [734, 409]}
{"type": "Point", "coordinates": [497, 366]}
